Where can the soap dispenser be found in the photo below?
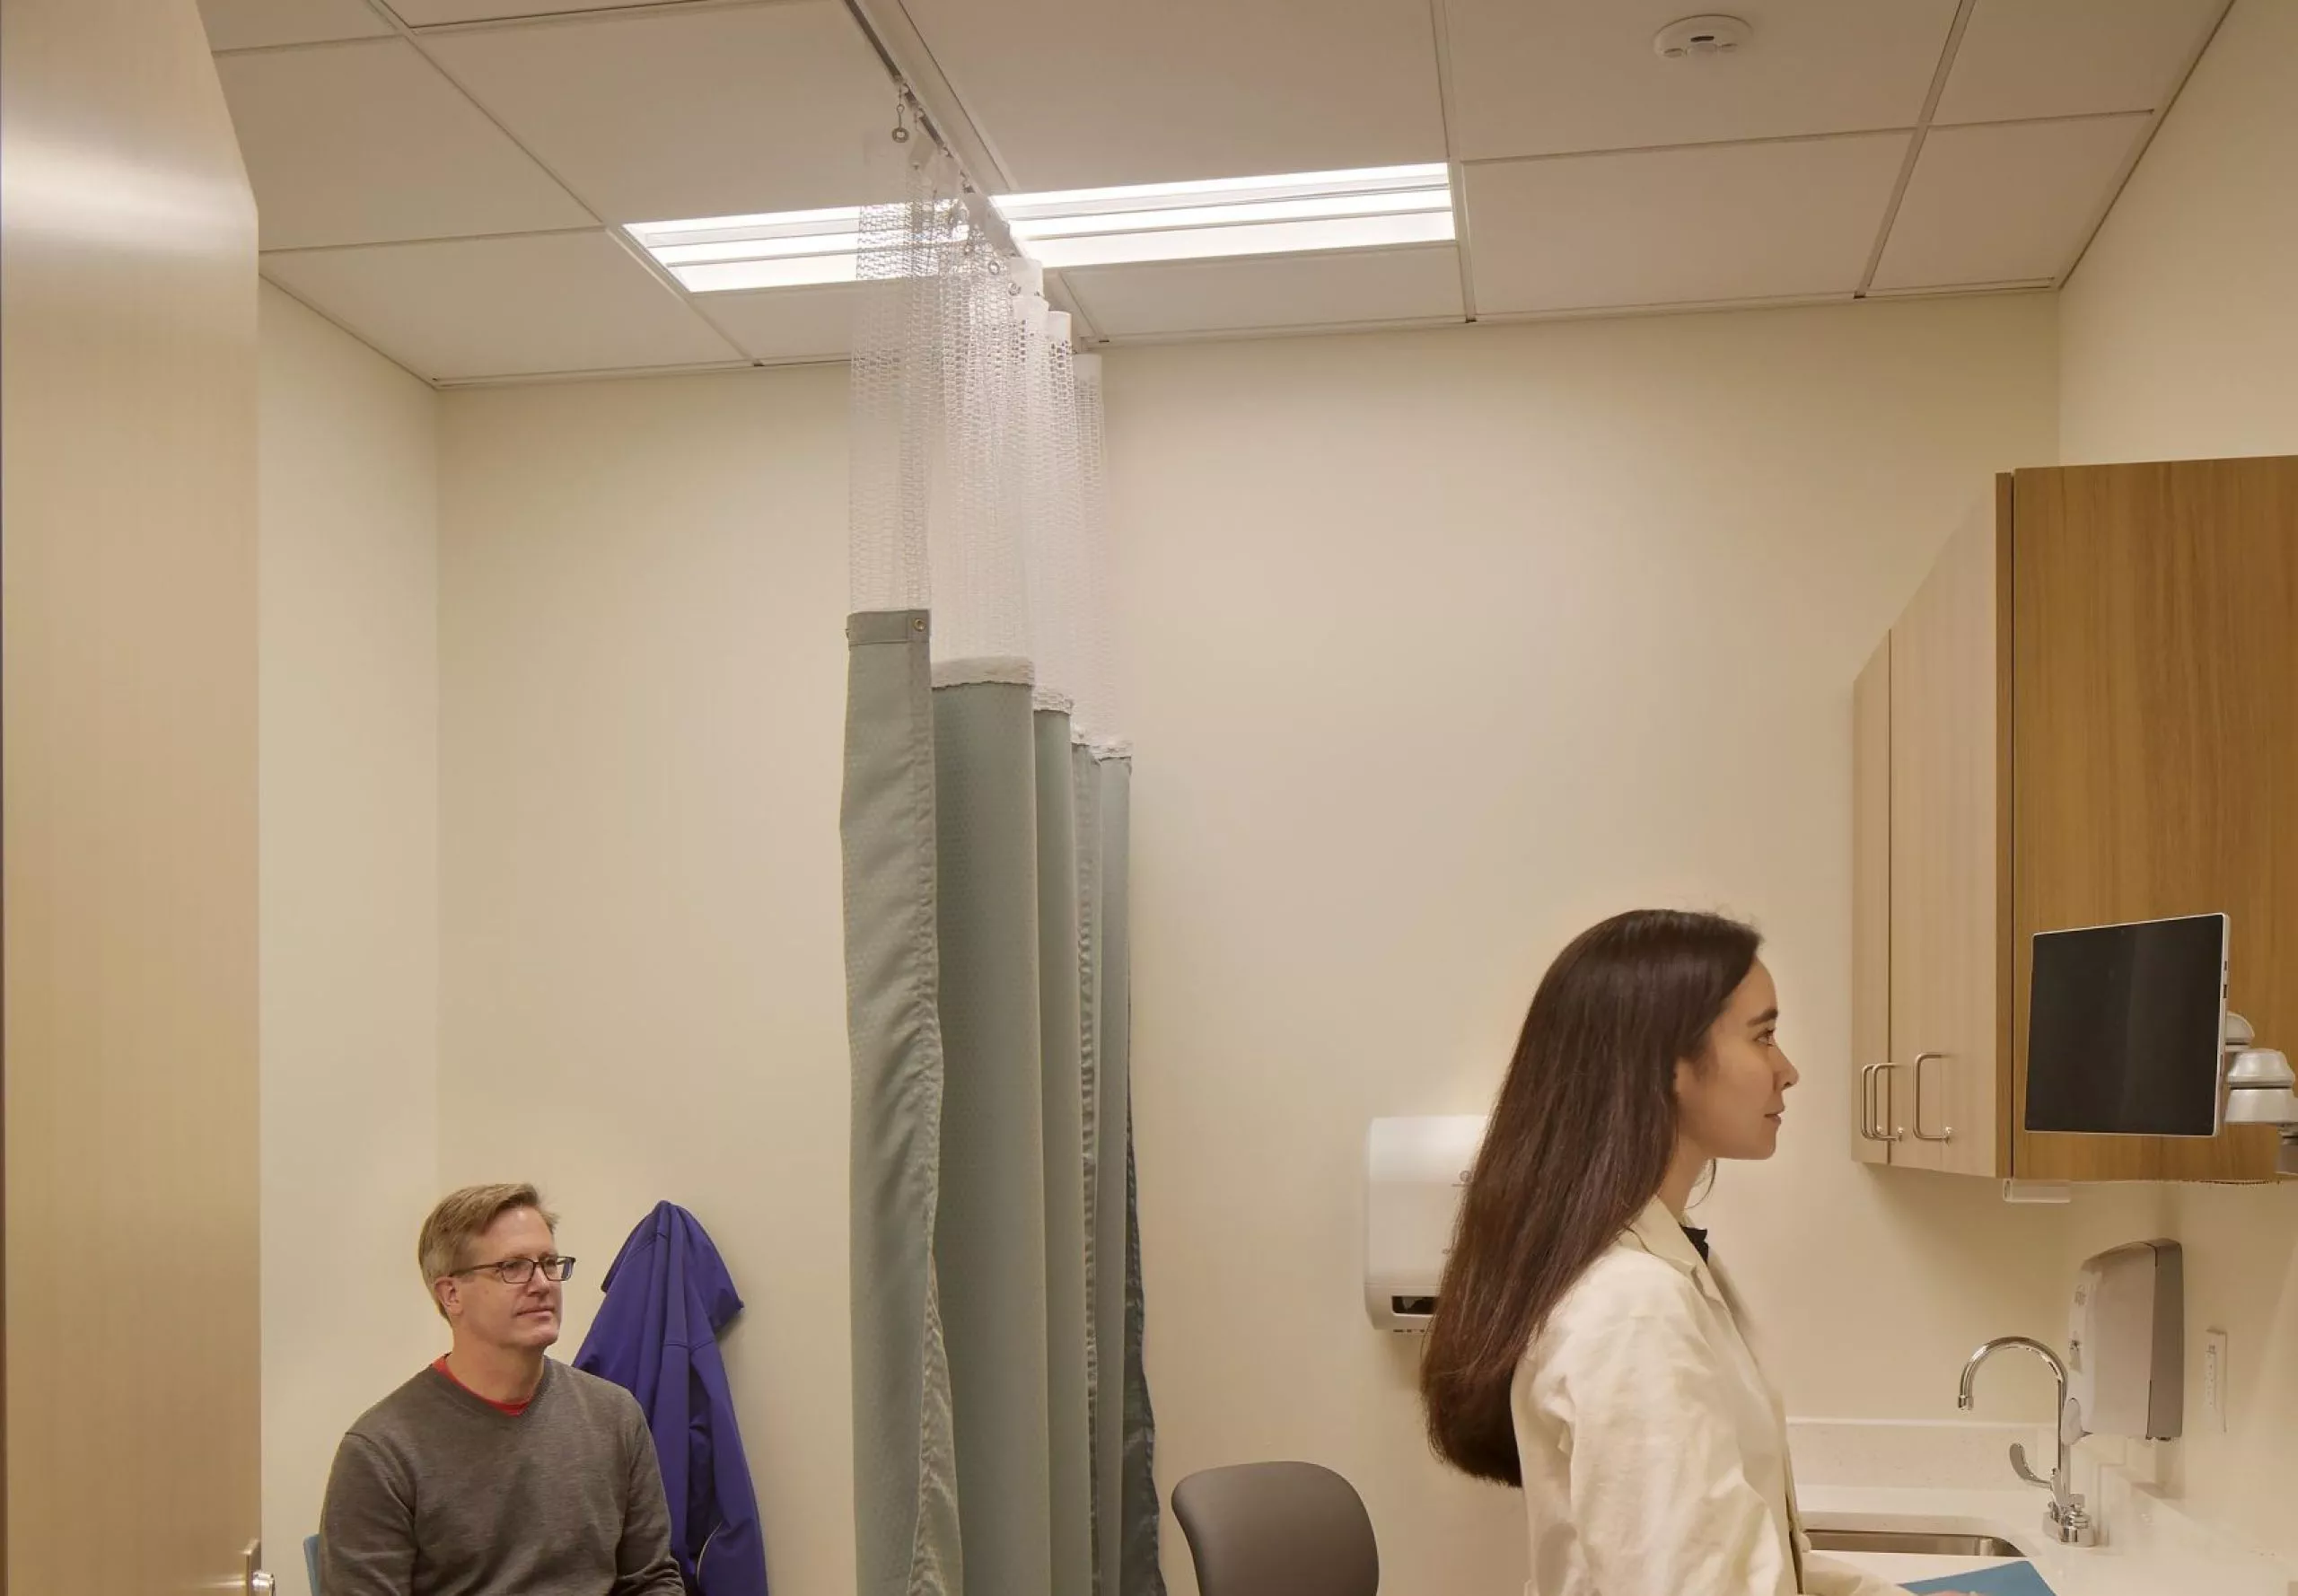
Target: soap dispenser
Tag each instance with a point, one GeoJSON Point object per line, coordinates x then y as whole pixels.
{"type": "Point", "coordinates": [2126, 1342]}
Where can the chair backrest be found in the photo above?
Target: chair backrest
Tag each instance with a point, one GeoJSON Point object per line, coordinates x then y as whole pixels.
{"type": "Point", "coordinates": [1278, 1529]}
{"type": "Point", "coordinates": [312, 1561]}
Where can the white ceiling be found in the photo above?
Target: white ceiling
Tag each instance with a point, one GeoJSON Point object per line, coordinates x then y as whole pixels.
{"type": "Point", "coordinates": [442, 177]}
{"type": "Point", "coordinates": [531, 304]}
{"type": "Point", "coordinates": [2006, 202]}
{"type": "Point", "coordinates": [653, 117]}
{"type": "Point", "coordinates": [1547, 77]}
{"type": "Point", "coordinates": [2027, 58]}
{"type": "Point", "coordinates": [1785, 218]}
{"type": "Point", "coordinates": [244, 24]}
{"type": "Point", "coordinates": [365, 143]}
{"type": "Point", "coordinates": [1080, 96]}
{"type": "Point", "coordinates": [1419, 282]}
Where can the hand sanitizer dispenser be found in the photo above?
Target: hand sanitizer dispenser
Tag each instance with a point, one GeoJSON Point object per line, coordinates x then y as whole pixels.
{"type": "Point", "coordinates": [2126, 1342]}
{"type": "Point", "coordinates": [1414, 1170]}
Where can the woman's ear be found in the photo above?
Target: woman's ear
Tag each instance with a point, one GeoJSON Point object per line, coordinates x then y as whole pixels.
{"type": "Point", "coordinates": [1686, 1071]}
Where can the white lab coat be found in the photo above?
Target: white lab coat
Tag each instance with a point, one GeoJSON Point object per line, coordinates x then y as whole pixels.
{"type": "Point", "coordinates": [1654, 1452]}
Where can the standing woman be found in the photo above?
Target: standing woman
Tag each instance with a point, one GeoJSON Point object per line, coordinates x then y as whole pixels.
{"type": "Point", "coordinates": [1583, 1348]}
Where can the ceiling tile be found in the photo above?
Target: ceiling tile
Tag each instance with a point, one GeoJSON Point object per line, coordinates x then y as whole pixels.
{"type": "Point", "coordinates": [1369, 285]}
{"type": "Point", "coordinates": [2025, 58]}
{"type": "Point", "coordinates": [1684, 226]}
{"type": "Point", "coordinates": [503, 307]}
{"type": "Point", "coordinates": [787, 323]}
{"type": "Point", "coordinates": [1082, 96]}
{"type": "Point", "coordinates": [350, 143]}
{"type": "Point", "coordinates": [2004, 204]}
{"type": "Point", "coordinates": [425, 13]}
{"type": "Point", "coordinates": [1540, 77]}
{"type": "Point", "coordinates": [252, 24]}
{"type": "Point", "coordinates": [692, 113]}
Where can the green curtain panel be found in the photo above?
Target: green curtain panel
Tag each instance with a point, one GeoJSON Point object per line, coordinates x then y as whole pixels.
{"type": "Point", "coordinates": [1001, 1426]}
{"type": "Point", "coordinates": [905, 1458]}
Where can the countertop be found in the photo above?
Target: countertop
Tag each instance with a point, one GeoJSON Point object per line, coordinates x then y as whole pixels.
{"type": "Point", "coordinates": [2149, 1547]}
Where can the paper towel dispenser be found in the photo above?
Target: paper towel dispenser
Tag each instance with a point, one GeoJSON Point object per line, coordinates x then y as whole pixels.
{"type": "Point", "coordinates": [1414, 1170]}
{"type": "Point", "coordinates": [2127, 1342]}
{"type": "Point", "coordinates": [2127, 1028]}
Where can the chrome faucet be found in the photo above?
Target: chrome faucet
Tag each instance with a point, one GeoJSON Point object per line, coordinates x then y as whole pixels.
{"type": "Point", "coordinates": [2065, 1518]}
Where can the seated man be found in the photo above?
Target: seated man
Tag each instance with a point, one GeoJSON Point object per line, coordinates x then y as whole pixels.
{"type": "Point", "coordinates": [495, 1471]}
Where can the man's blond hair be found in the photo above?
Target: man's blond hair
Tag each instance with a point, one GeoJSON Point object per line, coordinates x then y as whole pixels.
{"type": "Point", "coordinates": [460, 1218]}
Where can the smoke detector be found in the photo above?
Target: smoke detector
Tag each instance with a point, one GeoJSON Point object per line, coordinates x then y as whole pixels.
{"type": "Point", "coordinates": [1694, 37]}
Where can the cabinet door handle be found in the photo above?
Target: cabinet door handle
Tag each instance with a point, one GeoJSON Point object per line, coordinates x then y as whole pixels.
{"type": "Point", "coordinates": [1946, 1132]}
{"type": "Point", "coordinates": [1885, 1131]}
{"type": "Point", "coordinates": [1872, 1124]}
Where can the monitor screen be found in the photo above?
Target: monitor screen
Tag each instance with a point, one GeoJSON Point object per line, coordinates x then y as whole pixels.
{"type": "Point", "coordinates": [2125, 1034]}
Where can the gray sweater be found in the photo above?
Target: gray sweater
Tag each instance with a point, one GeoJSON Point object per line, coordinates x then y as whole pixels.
{"type": "Point", "coordinates": [437, 1493]}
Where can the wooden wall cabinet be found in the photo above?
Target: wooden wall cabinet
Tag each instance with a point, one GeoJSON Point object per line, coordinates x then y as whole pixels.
{"type": "Point", "coordinates": [2088, 713]}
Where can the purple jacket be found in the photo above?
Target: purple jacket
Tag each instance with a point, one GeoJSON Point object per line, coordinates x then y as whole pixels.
{"type": "Point", "coordinates": [668, 1296]}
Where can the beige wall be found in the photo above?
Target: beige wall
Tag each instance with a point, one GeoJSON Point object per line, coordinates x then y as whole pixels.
{"type": "Point", "coordinates": [350, 893]}
{"type": "Point", "coordinates": [1440, 646]}
{"type": "Point", "coordinates": [2178, 337]}
{"type": "Point", "coordinates": [643, 658]}
{"type": "Point", "coordinates": [2241, 1253]}
{"type": "Point", "coordinates": [1574, 627]}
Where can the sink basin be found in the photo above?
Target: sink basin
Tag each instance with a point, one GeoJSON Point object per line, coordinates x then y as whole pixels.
{"type": "Point", "coordinates": [1916, 1542]}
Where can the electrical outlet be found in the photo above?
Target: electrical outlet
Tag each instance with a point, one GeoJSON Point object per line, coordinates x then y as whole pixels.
{"type": "Point", "coordinates": [2214, 1377]}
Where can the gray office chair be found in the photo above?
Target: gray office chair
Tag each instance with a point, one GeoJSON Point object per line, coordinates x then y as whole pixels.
{"type": "Point", "coordinates": [1278, 1529]}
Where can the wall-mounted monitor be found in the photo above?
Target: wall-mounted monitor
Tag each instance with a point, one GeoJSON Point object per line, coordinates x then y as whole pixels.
{"type": "Point", "coordinates": [2126, 1029]}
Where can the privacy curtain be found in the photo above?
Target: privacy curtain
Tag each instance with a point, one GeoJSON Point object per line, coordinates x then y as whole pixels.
{"type": "Point", "coordinates": [1003, 1434]}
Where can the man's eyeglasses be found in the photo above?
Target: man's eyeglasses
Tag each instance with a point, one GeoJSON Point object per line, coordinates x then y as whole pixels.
{"type": "Point", "coordinates": [518, 1271]}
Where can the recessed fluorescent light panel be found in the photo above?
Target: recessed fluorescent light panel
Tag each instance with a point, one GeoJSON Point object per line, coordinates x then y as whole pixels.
{"type": "Point", "coordinates": [785, 250]}
{"type": "Point", "coordinates": [1275, 216]}
{"type": "Point", "coordinates": [782, 249]}
{"type": "Point", "coordinates": [1224, 216]}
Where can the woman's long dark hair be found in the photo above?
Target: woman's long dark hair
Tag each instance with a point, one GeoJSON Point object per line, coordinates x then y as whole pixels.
{"type": "Point", "coordinates": [1578, 1143]}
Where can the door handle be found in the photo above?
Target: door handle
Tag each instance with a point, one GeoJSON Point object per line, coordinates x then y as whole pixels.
{"type": "Point", "coordinates": [1946, 1132]}
{"type": "Point", "coordinates": [1867, 1103]}
{"type": "Point", "coordinates": [255, 1581]}
{"type": "Point", "coordinates": [1885, 1132]}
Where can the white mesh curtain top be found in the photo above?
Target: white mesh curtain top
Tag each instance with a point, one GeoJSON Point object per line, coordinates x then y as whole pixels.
{"type": "Point", "coordinates": [977, 483]}
{"type": "Point", "coordinates": [1003, 1432]}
